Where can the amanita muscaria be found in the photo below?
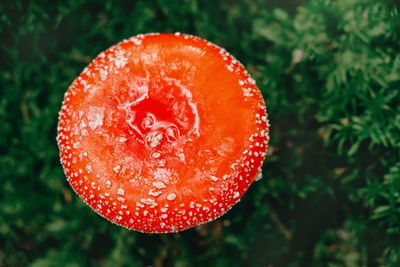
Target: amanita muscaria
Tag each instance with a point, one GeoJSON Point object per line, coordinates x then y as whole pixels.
{"type": "Point", "coordinates": [162, 132]}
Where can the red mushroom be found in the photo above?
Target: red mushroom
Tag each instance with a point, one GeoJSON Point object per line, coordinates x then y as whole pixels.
{"type": "Point", "coordinates": [162, 132]}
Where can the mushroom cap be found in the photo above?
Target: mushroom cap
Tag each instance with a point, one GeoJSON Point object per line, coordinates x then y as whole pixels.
{"type": "Point", "coordinates": [162, 132]}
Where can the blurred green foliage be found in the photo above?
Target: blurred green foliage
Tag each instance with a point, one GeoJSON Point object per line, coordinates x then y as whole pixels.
{"type": "Point", "coordinates": [330, 74]}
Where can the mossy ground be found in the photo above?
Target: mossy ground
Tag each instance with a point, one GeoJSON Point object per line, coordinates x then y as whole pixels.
{"type": "Point", "coordinates": [330, 75]}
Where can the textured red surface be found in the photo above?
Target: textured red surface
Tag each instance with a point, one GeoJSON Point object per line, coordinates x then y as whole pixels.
{"type": "Point", "coordinates": [162, 132]}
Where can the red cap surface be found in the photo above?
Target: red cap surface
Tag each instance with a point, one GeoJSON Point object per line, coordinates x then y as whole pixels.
{"type": "Point", "coordinates": [162, 132]}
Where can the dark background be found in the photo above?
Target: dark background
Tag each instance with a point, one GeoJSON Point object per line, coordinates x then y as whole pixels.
{"type": "Point", "coordinates": [330, 75]}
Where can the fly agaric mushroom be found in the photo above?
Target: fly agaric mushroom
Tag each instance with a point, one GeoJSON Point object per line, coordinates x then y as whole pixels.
{"type": "Point", "coordinates": [162, 132]}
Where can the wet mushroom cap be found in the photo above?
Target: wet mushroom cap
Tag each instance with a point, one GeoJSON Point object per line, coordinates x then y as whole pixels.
{"type": "Point", "coordinates": [162, 132]}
